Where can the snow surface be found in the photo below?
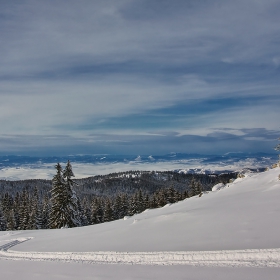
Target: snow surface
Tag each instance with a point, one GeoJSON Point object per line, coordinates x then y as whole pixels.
{"type": "Point", "coordinates": [218, 187]}
{"type": "Point", "coordinates": [231, 233]}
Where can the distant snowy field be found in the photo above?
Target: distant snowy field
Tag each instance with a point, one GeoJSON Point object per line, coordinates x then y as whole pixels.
{"type": "Point", "coordinates": [20, 168]}
{"type": "Point", "coordinates": [230, 233]}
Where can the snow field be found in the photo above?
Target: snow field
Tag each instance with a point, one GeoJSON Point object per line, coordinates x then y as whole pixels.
{"type": "Point", "coordinates": [228, 233]}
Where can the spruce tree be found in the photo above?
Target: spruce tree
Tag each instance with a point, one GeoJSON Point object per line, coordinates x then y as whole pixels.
{"type": "Point", "coordinates": [117, 208]}
{"type": "Point", "coordinates": [133, 205]}
{"type": "Point", "coordinates": [71, 196]}
{"type": "Point", "coordinates": [124, 207]}
{"type": "Point", "coordinates": [33, 209]}
{"type": "Point", "coordinates": [11, 221]}
{"type": "Point", "coordinates": [140, 202]}
{"type": "Point", "coordinates": [64, 211]}
{"type": "Point", "coordinates": [171, 195]}
{"type": "Point", "coordinates": [108, 211]}
{"type": "Point", "coordinates": [97, 211]}
{"type": "Point", "coordinates": [3, 223]}
{"type": "Point", "coordinates": [24, 211]}
{"type": "Point", "coordinates": [196, 187]}
{"type": "Point", "coordinates": [45, 212]}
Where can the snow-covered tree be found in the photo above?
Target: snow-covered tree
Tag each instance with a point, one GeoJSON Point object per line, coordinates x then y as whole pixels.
{"type": "Point", "coordinates": [64, 211]}
{"type": "Point", "coordinates": [72, 198]}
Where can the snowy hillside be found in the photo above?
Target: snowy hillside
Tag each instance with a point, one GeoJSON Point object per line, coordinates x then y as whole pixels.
{"type": "Point", "coordinates": [234, 226]}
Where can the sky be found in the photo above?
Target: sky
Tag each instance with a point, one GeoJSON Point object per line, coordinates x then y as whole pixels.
{"type": "Point", "coordinates": [139, 77]}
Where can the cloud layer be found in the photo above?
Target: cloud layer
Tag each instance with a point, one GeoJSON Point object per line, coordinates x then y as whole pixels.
{"type": "Point", "coordinates": [135, 76]}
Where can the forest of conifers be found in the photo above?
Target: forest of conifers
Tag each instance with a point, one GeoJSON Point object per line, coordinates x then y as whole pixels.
{"type": "Point", "coordinates": [27, 204]}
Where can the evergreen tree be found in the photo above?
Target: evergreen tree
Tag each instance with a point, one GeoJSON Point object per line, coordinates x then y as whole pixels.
{"type": "Point", "coordinates": [3, 223]}
{"type": "Point", "coordinates": [81, 211]}
{"type": "Point", "coordinates": [45, 212]}
{"type": "Point", "coordinates": [124, 206]}
{"type": "Point", "coordinates": [185, 195]}
{"type": "Point", "coordinates": [64, 211]}
{"type": "Point", "coordinates": [117, 212]}
{"type": "Point", "coordinates": [146, 202]}
{"type": "Point", "coordinates": [33, 209]}
{"type": "Point", "coordinates": [86, 211]}
{"type": "Point", "coordinates": [24, 211]}
{"type": "Point", "coordinates": [153, 202]}
{"type": "Point", "coordinates": [161, 201]}
{"type": "Point", "coordinates": [39, 216]}
{"type": "Point", "coordinates": [16, 210]}
{"type": "Point", "coordinates": [133, 206]}
{"type": "Point", "coordinates": [11, 221]}
{"type": "Point", "coordinates": [71, 196]}
{"type": "Point", "coordinates": [108, 211]}
{"type": "Point", "coordinates": [171, 195]}
{"type": "Point", "coordinates": [140, 202]}
{"type": "Point", "coordinates": [97, 211]}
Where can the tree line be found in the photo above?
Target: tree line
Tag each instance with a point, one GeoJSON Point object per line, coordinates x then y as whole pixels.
{"type": "Point", "coordinates": [62, 207]}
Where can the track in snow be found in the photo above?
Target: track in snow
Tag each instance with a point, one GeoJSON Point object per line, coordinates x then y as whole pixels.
{"type": "Point", "coordinates": [232, 258]}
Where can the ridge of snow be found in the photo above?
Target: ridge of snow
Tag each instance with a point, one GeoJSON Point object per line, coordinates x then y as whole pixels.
{"type": "Point", "coordinates": [223, 258]}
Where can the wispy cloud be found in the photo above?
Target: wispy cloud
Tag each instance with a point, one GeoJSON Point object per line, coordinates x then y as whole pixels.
{"type": "Point", "coordinates": [137, 67]}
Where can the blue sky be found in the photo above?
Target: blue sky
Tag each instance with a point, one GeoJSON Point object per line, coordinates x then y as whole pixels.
{"type": "Point", "coordinates": [139, 77]}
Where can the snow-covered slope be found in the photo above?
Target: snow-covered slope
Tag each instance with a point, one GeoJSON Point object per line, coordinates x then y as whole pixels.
{"type": "Point", "coordinates": [242, 215]}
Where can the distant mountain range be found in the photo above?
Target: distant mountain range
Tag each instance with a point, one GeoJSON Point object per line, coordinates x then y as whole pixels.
{"type": "Point", "coordinates": [13, 161]}
{"type": "Point", "coordinates": [27, 167]}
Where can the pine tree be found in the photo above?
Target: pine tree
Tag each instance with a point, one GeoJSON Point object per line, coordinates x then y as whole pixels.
{"type": "Point", "coordinates": [133, 205]}
{"type": "Point", "coordinates": [72, 198]}
{"type": "Point", "coordinates": [39, 216]}
{"type": "Point", "coordinates": [33, 209]}
{"type": "Point", "coordinates": [3, 223]}
{"type": "Point", "coordinates": [24, 211]}
{"type": "Point", "coordinates": [97, 211]}
{"type": "Point", "coordinates": [140, 202]}
{"type": "Point", "coordinates": [124, 206]}
{"type": "Point", "coordinates": [64, 212]}
{"type": "Point", "coordinates": [153, 202]}
{"type": "Point", "coordinates": [146, 202]}
{"type": "Point", "coordinates": [11, 221]}
{"type": "Point", "coordinates": [16, 210]}
{"type": "Point", "coordinates": [87, 211]}
{"type": "Point", "coordinates": [185, 194]}
{"type": "Point", "coordinates": [196, 188]}
{"type": "Point", "coordinates": [108, 211]}
{"type": "Point", "coordinates": [45, 212]}
{"type": "Point", "coordinates": [171, 195]}
{"type": "Point", "coordinates": [82, 215]}
{"type": "Point", "coordinates": [117, 208]}
{"type": "Point", "coordinates": [161, 201]}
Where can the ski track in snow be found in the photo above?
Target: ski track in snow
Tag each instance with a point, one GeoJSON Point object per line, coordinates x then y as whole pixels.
{"type": "Point", "coordinates": [224, 258]}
